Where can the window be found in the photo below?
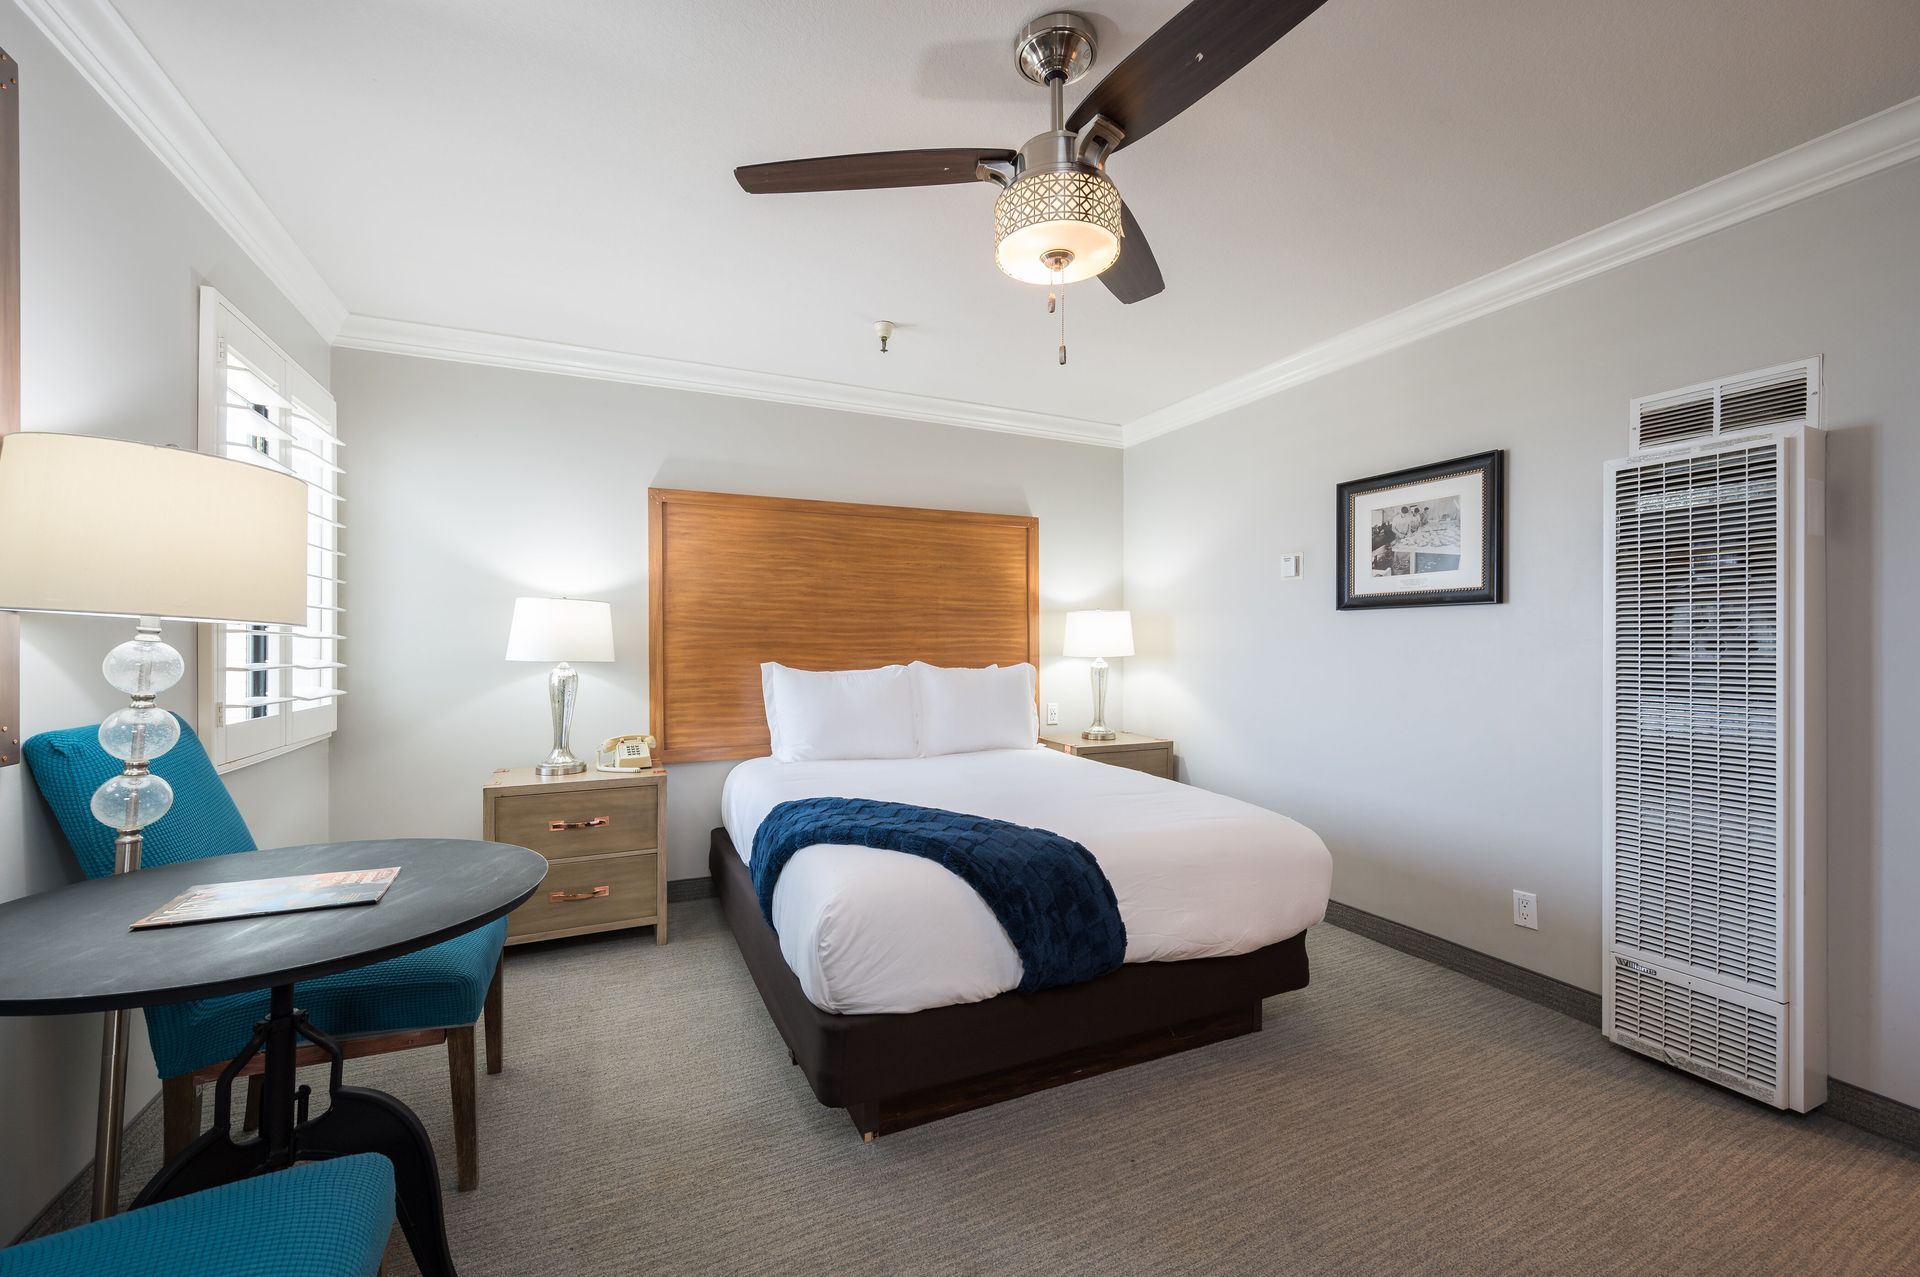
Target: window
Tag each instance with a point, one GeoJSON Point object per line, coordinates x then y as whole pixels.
{"type": "Point", "coordinates": [268, 689]}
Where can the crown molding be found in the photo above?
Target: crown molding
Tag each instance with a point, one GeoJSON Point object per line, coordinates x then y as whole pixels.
{"type": "Point", "coordinates": [1858, 150]}
{"type": "Point", "coordinates": [430, 341]}
{"type": "Point", "coordinates": [109, 56]}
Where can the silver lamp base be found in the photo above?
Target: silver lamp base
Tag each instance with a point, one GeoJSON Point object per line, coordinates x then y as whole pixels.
{"type": "Point", "coordinates": [562, 684]}
{"type": "Point", "coordinates": [1099, 730]}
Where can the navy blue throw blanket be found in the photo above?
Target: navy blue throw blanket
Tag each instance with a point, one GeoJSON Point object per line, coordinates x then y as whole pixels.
{"type": "Point", "coordinates": [1047, 891]}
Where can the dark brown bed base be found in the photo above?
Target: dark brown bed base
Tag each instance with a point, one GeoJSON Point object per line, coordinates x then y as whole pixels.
{"type": "Point", "coordinates": [891, 1072]}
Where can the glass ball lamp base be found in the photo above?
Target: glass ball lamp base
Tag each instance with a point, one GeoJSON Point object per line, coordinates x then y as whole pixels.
{"type": "Point", "coordinates": [142, 667]}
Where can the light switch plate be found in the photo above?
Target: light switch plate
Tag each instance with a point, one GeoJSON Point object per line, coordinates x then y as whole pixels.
{"type": "Point", "coordinates": [1290, 566]}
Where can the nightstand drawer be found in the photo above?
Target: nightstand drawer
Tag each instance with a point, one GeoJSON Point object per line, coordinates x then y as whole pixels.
{"type": "Point", "coordinates": [590, 894]}
{"type": "Point", "coordinates": [581, 822]}
{"type": "Point", "coordinates": [1155, 762]}
{"type": "Point", "coordinates": [1150, 754]}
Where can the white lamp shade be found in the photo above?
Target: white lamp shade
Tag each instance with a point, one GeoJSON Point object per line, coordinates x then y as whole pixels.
{"type": "Point", "coordinates": [1098, 634]}
{"type": "Point", "coordinates": [560, 630]}
{"type": "Point", "coordinates": [114, 528]}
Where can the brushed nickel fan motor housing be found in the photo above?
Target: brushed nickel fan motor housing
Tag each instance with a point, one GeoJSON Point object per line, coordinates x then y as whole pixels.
{"type": "Point", "coordinates": [1055, 46]}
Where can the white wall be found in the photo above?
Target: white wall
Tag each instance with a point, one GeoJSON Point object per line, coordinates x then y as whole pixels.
{"type": "Point", "coordinates": [113, 253]}
{"type": "Point", "coordinates": [470, 485]}
{"type": "Point", "coordinates": [1450, 755]}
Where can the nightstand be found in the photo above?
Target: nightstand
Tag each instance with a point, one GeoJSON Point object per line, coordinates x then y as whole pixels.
{"type": "Point", "coordinates": [1150, 754]}
{"type": "Point", "coordinates": [604, 835]}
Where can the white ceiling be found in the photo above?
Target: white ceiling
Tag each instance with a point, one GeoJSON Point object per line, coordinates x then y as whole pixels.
{"type": "Point", "coordinates": [563, 171]}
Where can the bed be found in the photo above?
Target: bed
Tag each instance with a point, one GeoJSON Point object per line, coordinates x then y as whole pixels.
{"type": "Point", "coordinates": [892, 984]}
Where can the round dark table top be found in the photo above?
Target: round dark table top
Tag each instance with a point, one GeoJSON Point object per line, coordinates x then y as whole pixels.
{"type": "Point", "coordinates": [70, 949]}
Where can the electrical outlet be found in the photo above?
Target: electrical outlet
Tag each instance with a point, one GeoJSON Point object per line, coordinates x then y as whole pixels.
{"type": "Point", "coordinates": [1526, 910]}
{"type": "Point", "coordinates": [1053, 713]}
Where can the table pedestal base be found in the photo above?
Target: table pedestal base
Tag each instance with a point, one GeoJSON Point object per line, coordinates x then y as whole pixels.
{"type": "Point", "coordinates": [357, 1120]}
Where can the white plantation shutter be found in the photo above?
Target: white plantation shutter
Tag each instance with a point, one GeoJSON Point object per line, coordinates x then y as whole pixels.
{"type": "Point", "coordinates": [265, 689]}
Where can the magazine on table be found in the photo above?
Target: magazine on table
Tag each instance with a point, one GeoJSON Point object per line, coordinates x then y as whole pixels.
{"type": "Point", "coordinates": [258, 897]}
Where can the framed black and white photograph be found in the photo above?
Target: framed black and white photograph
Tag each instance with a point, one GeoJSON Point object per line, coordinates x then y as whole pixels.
{"type": "Point", "coordinates": [1424, 536]}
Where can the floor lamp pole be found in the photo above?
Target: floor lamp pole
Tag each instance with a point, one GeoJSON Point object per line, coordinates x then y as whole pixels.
{"type": "Point", "coordinates": [129, 802]}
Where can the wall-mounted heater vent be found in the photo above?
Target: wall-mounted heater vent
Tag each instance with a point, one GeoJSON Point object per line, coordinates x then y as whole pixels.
{"type": "Point", "coordinates": [1772, 398]}
{"type": "Point", "coordinates": [1700, 1027]}
{"type": "Point", "coordinates": [1714, 856]}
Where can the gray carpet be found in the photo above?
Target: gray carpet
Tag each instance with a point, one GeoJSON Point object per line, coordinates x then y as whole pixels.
{"type": "Point", "coordinates": [1393, 1118]}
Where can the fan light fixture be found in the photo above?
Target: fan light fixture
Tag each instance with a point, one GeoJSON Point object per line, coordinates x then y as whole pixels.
{"type": "Point", "coordinates": [1058, 220]}
{"type": "Point", "coordinates": [1057, 227]}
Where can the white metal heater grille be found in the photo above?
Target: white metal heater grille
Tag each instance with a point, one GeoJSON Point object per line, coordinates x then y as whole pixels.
{"type": "Point", "coordinates": [1769, 399]}
{"type": "Point", "coordinates": [1697, 853]}
{"type": "Point", "coordinates": [1701, 1029]}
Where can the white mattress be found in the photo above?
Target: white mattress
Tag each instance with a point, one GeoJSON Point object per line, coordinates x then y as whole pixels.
{"type": "Point", "coordinates": [1197, 874]}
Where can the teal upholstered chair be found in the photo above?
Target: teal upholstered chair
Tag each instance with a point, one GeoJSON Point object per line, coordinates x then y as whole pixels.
{"type": "Point", "coordinates": [317, 1219]}
{"type": "Point", "coordinates": [418, 999]}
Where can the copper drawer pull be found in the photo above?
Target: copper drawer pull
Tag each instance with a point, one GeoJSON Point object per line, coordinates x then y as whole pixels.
{"type": "Point", "coordinates": [596, 822]}
{"type": "Point", "coordinates": [569, 897]}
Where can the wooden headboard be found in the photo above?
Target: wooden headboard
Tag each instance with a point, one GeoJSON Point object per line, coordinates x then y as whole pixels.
{"type": "Point", "coordinates": [735, 580]}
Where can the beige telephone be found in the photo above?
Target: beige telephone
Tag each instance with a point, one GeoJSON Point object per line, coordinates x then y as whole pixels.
{"type": "Point", "coordinates": [626, 754]}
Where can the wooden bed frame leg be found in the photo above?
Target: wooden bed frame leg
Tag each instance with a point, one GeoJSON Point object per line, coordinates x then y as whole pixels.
{"type": "Point", "coordinates": [866, 1137]}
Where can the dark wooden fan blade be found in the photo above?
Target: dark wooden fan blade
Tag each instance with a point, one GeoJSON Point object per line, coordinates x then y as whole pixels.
{"type": "Point", "coordinates": [1198, 50]}
{"type": "Point", "coordinates": [867, 172]}
{"type": "Point", "coordinates": [1136, 276]}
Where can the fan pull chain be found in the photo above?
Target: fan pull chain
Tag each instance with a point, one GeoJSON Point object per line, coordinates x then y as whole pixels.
{"type": "Point", "coordinates": [1063, 324]}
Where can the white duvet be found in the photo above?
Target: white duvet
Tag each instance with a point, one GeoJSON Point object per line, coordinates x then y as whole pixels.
{"type": "Point", "coordinates": [1197, 874]}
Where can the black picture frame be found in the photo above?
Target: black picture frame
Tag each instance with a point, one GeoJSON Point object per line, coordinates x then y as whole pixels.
{"type": "Point", "coordinates": [1491, 467]}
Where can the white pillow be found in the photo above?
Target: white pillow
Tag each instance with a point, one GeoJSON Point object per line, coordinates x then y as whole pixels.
{"type": "Point", "coordinates": [959, 711]}
{"type": "Point", "coordinates": [814, 715]}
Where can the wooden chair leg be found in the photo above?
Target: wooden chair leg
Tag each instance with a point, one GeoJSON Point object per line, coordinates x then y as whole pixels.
{"type": "Point", "coordinates": [179, 1114]}
{"type": "Point", "coordinates": [495, 1026]}
{"type": "Point", "coordinates": [466, 1138]}
{"type": "Point", "coordinates": [250, 1120]}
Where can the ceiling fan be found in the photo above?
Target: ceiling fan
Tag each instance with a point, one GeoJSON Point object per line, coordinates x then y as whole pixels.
{"type": "Point", "coordinates": [1058, 218]}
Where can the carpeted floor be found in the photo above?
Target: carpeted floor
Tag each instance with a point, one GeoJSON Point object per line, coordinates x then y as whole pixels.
{"type": "Point", "coordinates": [1393, 1118]}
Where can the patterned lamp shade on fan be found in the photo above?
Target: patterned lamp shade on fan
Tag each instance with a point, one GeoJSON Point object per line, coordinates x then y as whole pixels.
{"type": "Point", "coordinates": [1057, 227]}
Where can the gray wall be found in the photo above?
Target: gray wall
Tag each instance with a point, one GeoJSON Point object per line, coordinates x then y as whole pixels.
{"type": "Point", "coordinates": [113, 253]}
{"type": "Point", "coordinates": [1450, 755]}
{"type": "Point", "coordinates": [471, 485]}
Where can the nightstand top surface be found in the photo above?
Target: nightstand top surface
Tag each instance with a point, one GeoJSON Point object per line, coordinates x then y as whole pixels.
{"type": "Point", "coordinates": [1121, 740]}
{"type": "Point", "coordinates": [526, 778]}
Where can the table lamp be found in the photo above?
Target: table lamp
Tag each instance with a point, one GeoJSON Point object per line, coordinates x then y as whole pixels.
{"type": "Point", "coordinates": [1099, 634]}
{"type": "Point", "coordinates": [106, 527]}
{"type": "Point", "coordinates": [562, 630]}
